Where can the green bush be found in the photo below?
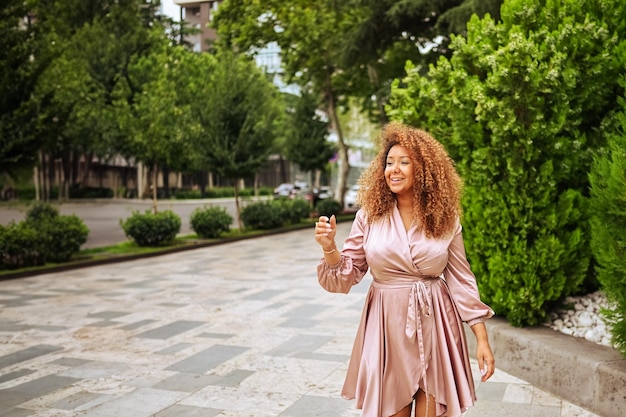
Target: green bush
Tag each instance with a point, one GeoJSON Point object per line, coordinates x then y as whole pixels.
{"type": "Point", "coordinates": [148, 229]}
{"type": "Point", "coordinates": [41, 211]}
{"type": "Point", "coordinates": [60, 236]}
{"type": "Point", "coordinates": [263, 215]}
{"type": "Point", "coordinates": [210, 222]}
{"type": "Point", "coordinates": [520, 122]}
{"type": "Point", "coordinates": [64, 237]}
{"type": "Point", "coordinates": [301, 209]}
{"type": "Point", "coordinates": [328, 207]}
{"type": "Point", "coordinates": [90, 192]}
{"type": "Point", "coordinates": [293, 210]}
{"type": "Point", "coordinates": [187, 194]}
{"type": "Point", "coordinates": [28, 192]}
{"type": "Point", "coordinates": [20, 246]}
{"type": "Point", "coordinates": [608, 228]}
{"type": "Point", "coordinates": [221, 192]}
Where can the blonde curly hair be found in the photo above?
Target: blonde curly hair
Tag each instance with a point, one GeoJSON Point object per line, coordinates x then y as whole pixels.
{"type": "Point", "coordinates": [437, 185]}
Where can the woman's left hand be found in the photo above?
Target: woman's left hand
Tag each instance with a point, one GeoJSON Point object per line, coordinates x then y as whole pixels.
{"type": "Point", "coordinates": [486, 360]}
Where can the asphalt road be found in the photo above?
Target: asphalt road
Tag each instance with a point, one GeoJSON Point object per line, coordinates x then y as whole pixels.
{"type": "Point", "coordinates": [102, 217]}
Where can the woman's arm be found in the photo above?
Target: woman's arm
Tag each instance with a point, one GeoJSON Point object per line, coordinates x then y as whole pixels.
{"type": "Point", "coordinates": [484, 354]}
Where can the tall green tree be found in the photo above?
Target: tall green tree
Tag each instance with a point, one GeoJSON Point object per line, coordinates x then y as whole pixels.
{"type": "Point", "coordinates": [86, 48]}
{"type": "Point", "coordinates": [519, 112]}
{"type": "Point", "coordinates": [157, 121]}
{"type": "Point", "coordinates": [308, 34]}
{"type": "Point", "coordinates": [306, 142]}
{"type": "Point", "coordinates": [239, 120]}
{"type": "Point", "coordinates": [18, 148]}
{"type": "Point", "coordinates": [386, 33]}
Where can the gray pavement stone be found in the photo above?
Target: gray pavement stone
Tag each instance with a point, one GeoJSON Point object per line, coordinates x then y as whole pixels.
{"type": "Point", "coordinates": [178, 410]}
{"type": "Point", "coordinates": [27, 354]}
{"type": "Point", "coordinates": [310, 406]}
{"type": "Point", "coordinates": [171, 329]}
{"type": "Point", "coordinates": [207, 359]}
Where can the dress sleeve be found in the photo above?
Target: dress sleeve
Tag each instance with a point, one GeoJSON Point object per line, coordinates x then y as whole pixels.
{"type": "Point", "coordinates": [462, 283]}
{"type": "Point", "coordinates": [352, 266]}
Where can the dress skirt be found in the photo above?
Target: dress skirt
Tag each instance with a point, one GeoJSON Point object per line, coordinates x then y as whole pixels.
{"type": "Point", "coordinates": [410, 337]}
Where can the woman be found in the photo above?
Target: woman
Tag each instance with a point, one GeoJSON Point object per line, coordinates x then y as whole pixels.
{"type": "Point", "coordinates": [410, 345]}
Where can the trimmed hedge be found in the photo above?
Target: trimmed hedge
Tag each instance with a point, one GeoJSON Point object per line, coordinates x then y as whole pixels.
{"type": "Point", "coordinates": [328, 207]}
{"type": "Point", "coordinates": [44, 236]}
{"type": "Point", "coordinates": [210, 222]}
{"type": "Point", "coordinates": [149, 229]}
{"type": "Point", "coordinates": [263, 215]}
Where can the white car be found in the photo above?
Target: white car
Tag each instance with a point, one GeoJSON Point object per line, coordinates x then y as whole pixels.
{"type": "Point", "coordinates": [349, 199]}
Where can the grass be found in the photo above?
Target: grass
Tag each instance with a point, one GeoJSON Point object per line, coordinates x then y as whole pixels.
{"type": "Point", "coordinates": [130, 250]}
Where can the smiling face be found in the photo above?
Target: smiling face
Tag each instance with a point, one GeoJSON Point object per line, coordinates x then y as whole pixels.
{"type": "Point", "coordinates": [399, 171]}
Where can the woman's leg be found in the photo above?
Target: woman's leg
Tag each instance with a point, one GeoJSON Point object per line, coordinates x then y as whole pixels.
{"type": "Point", "coordinates": [405, 412]}
{"type": "Point", "coordinates": [420, 405]}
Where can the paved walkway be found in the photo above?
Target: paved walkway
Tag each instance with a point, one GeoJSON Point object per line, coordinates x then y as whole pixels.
{"type": "Point", "coordinates": [235, 330]}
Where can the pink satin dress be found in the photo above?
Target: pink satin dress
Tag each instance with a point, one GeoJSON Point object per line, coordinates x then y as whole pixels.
{"type": "Point", "coordinates": [411, 331]}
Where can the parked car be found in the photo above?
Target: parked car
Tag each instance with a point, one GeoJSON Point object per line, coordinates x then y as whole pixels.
{"type": "Point", "coordinates": [284, 190]}
{"type": "Point", "coordinates": [322, 193]}
{"type": "Point", "coordinates": [349, 199]}
{"type": "Point", "coordinates": [299, 189]}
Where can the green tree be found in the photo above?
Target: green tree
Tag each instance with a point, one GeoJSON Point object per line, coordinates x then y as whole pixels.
{"type": "Point", "coordinates": [306, 143]}
{"type": "Point", "coordinates": [86, 48]}
{"type": "Point", "coordinates": [18, 148]}
{"type": "Point", "coordinates": [157, 120]}
{"type": "Point", "coordinates": [308, 34]}
{"type": "Point", "coordinates": [519, 112]}
{"type": "Point", "coordinates": [387, 33]}
{"type": "Point", "coordinates": [239, 120]}
{"type": "Point", "coordinates": [608, 223]}
{"type": "Point", "coordinates": [197, 91]}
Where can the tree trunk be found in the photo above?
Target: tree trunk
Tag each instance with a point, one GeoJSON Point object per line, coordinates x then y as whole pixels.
{"type": "Point", "coordinates": [239, 223]}
{"type": "Point", "coordinates": [66, 173]}
{"type": "Point", "coordinates": [36, 180]}
{"type": "Point", "coordinates": [88, 158]}
{"type": "Point", "coordinates": [344, 166]}
{"type": "Point", "coordinates": [166, 182]}
{"type": "Point", "coordinates": [155, 172]}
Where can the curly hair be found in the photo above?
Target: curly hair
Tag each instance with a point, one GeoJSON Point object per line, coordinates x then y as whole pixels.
{"type": "Point", "coordinates": [437, 185]}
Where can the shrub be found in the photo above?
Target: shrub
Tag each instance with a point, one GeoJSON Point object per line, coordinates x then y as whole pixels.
{"type": "Point", "coordinates": [60, 236]}
{"type": "Point", "coordinates": [293, 210]}
{"type": "Point", "coordinates": [20, 246]}
{"type": "Point", "coordinates": [41, 211]}
{"type": "Point", "coordinates": [90, 192]}
{"type": "Point", "coordinates": [187, 194]}
{"type": "Point", "coordinates": [608, 228]}
{"type": "Point", "coordinates": [328, 207]}
{"type": "Point", "coordinates": [300, 209]}
{"type": "Point", "coordinates": [263, 215]}
{"type": "Point", "coordinates": [148, 229]}
{"type": "Point", "coordinates": [523, 154]}
{"type": "Point", "coordinates": [210, 222]}
{"type": "Point", "coordinates": [65, 235]}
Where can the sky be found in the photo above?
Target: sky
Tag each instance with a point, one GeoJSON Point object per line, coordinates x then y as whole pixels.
{"type": "Point", "coordinates": [170, 9]}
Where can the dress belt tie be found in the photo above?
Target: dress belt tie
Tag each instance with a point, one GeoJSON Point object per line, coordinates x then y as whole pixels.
{"type": "Point", "coordinates": [418, 296]}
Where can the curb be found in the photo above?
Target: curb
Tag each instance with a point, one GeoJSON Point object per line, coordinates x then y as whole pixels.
{"type": "Point", "coordinates": [581, 372]}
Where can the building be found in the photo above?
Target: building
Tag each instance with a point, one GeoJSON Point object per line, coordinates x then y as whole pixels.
{"type": "Point", "coordinates": [198, 14]}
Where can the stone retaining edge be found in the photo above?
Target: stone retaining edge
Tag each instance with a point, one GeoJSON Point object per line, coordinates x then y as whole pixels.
{"type": "Point", "coordinates": [581, 372]}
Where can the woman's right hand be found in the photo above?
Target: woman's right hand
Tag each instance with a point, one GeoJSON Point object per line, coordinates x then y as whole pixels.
{"type": "Point", "coordinates": [325, 232]}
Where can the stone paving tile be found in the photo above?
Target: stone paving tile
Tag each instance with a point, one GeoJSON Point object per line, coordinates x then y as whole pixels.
{"type": "Point", "coordinates": [236, 330]}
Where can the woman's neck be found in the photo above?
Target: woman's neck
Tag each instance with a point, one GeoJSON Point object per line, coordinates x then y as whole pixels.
{"type": "Point", "coordinates": [404, 202]}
